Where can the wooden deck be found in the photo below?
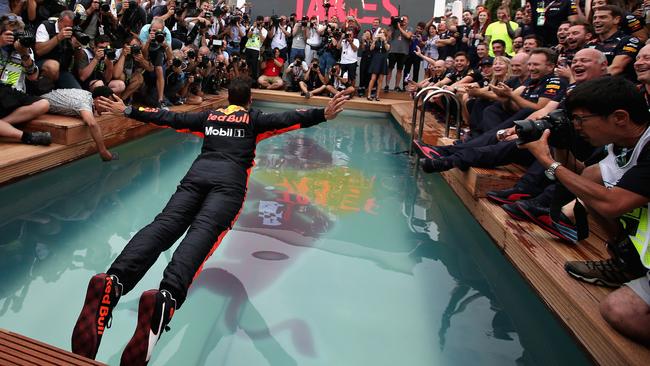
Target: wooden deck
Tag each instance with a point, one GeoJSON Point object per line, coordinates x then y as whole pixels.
{"type": "Point", "coordinates": [537, 256]}
{"type": "Point", "coordinates": [16, 349]}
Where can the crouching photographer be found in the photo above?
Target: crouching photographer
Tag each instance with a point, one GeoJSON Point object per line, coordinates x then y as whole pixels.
{"type": "Point", "coordinates": [295, 73]}
{"type": "Point", "coordinates": [315, 82]}
{"type": "Point", "coordinates": [271, 65]}
{"type": "Point", "coordinates": [130, 66]}
{"type": "Point", "coordinates": [175, 79]}
{"type": "Point", "coordinates": [157, 48]}
{"type": "Point", "coordinates": [94, 66]}
{"type": "Point", "coordinates": [611, 112]}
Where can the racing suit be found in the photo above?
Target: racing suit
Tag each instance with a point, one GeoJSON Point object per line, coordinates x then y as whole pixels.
{"type": "Point", "coordinates": [209, 197]}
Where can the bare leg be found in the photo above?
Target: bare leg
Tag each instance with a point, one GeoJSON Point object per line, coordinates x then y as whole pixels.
{"type": "Point", "coordinates": [9, 131]}
{"type": "Point", "coordinates": [96, 133]}
{"type": "Point", "coordinates": [276, 85]}
{"type": "Point", "coordinates": [134, 85]}
{"type": "Point", "coordinates": [160, 83]}
{"type": "Point", "coordinates": [194, 100]}
{"type": "Point", "coordinates": [380, 79]}
{"type": "Point", "coordinates": [28, 112]}
{"type": "Point", "coordinates": [626, 312]}
{"type": "Point", "coordinates": [50, 70]}
{"type": "Point", "coordinates": [319, 90]}
{"type": "Point", "coordinates": [398, 78]}
{"type": "Point", "coordinates": [371, 84]}
{"type": "Point", "coordinates": [117, 86]}
{"type": "Point", "coordinates": [303, 87]}
{"type": "Point", "coordinates": [263, 83]}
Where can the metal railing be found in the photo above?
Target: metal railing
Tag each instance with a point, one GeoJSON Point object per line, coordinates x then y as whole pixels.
{"type": "Point", "coordinates": [420, 100]}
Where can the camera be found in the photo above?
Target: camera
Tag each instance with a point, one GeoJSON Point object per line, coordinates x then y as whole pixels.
{"type": "Point", "coordinates": [268, 54]}
{"type": "Point", "coordinates": [136, 49]}
{"type": "Point", "coordinates": [109, 53]}
{"type": "Point", "coordinates": [561, 127]}
{"type": "Point", "coordinates": [191, 54]}
{"type": "Point", "coordinates": [304, 20]}
{"type": "Point", "coordinates": [177, 62]}
{"type": "Point", "coordinates": [207, 15]}
{"type": "Point", "coordinates": [396, 20]}
{"type": "Point", "coordinates": [275, 20]}
{"type": "Point", "coordinates": [105, 6]}
{"type": "Point", "coordinates": [82, 37]}
{"type": "Point", "coordinates": [159, 36]}
{"type": "Point", "coordinates": [204, 62]}
{"type": "Point", "coordinates": [26, 40]}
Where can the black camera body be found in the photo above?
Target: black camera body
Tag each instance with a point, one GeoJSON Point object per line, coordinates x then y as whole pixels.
{"type": "Point", "coordinates": [275, 20]}
{"type": "Point", "coordinates": [191, 54]}
{"type": "Point", "coordinates": [136, 49]}
{"type": "Point", "coordinates": [105, 6]}
{"type": "Point", "coordinates": [207, 15]}
{"type": "Point", "coordinates": [110, 53]}
{"type": "Point", "coordinates": [26, 40]}
{"type": "Point", "coordinates": [82, 37]}
{"type": "Point", "coordinates": [159, 36]}
{"type": "Point", "coordinates": [304, 20]}
{"type": "Point", "coordinates": [561, 127]}
{"type": "Point", "coordinates": [177, 62]}
{"type": "Point", "coordinates": [396, 20]}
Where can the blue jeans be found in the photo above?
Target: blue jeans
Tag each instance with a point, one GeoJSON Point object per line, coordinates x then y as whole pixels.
{"type": "Point", "coordinates": [326, 62]}
{"type": "Point", "coordinates": [296, 52]}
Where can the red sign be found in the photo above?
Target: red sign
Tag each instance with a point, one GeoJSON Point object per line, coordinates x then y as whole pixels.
{"type": "Point", "coordinates": [365, 13]}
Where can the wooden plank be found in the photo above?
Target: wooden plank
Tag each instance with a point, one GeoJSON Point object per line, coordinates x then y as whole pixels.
{"type": "Point", "coordinates": [355, 103]}
{"type": "Point", "coordinates": [28, 349]}
{"type": "Point", "coordinates": [541, 261]}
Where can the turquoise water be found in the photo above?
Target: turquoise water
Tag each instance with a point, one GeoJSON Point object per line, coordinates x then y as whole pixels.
{"type": "Point", "coordinates": [342, 255]}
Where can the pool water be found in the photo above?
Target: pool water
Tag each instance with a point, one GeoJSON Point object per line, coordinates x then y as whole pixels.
{"type": "Point", "coordinates": [343, 255]}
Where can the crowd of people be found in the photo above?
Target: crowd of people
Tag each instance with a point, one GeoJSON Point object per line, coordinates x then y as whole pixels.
{"type": "Point", "coordinates": [581, 71]}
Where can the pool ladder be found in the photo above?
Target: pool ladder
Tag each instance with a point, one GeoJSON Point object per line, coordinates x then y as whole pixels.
{"type": "Point", "coordinates": [420, 100]}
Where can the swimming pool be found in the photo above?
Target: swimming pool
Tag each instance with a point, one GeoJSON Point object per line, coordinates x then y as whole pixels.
{"type": "Point", "coordinates": [342, 255]}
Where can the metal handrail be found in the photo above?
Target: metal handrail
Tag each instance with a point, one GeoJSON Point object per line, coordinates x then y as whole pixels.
{"type": "Point", "coordinates": [416, 100]}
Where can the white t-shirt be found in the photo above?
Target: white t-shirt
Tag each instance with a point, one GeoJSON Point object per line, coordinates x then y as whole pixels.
{"type": "Point", "coordinates": [279, 39]}
{"type": "Point", "coordinates": [41, 32]}
{"type": "Point", "coordinates": [348, 55]}
{"type": "Point", "coordinates": [337, 82]}
{"type": "Point", "coordinates": [314, 38]}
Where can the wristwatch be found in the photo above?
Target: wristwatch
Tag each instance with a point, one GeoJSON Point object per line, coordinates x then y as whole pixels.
{"type": "Point", "coordinates": [128, 110]}
{"type": "Point", "coordinates": [550, 172]}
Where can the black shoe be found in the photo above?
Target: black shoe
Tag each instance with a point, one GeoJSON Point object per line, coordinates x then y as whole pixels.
{"type": "Point", "coordinates": [103, 293]}
{"type": "Point", "coordinates": [540, 214]}
{"type": "Point", "coordinates": [509, 195]}
{"type": "Point", "coordinates": [37, 138]}
{"type": "Point", "coordinates": [386, 88]}
{"type": "Point", "coordinates": [435, 165]}
{"type": "Point", "coordinates": [398, 89]}
{"type": "Point", "coordinates": [155, 310]}
{"type": "Point", "coordinates": [513, 210]}
{"type": "Point", "coordinates": [610, 272]}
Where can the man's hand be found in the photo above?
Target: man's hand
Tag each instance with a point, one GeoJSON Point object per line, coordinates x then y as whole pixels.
{"type": "Point", "coordinates": [114, 105]}
{"type": "Point", "coordinates": [7, 38]}
{"type": "Point", "coordinates": [66, 33]}
{"type": "Point", "coordinates": [507, 134]}
{"type": "Point", "coordinates": [540, 149]}
{"type": "Point", "coordinates": [335, 105]}
{"type": "Point", "coordinates": [502, 90]}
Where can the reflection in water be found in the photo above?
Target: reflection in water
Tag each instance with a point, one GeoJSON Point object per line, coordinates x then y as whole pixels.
{"type": "Point", "coordinates": [330, 196]}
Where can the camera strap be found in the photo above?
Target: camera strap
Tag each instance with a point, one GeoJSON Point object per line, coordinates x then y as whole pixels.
{"type": "Point", "coordinates": [561, 197]}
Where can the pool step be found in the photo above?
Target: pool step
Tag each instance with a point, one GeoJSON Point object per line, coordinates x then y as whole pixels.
{"type": "Point", "coordinates": [16, 349]}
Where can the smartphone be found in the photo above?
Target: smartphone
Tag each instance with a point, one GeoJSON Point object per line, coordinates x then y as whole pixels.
{"type": "Point", "coordinates": [217, 42]}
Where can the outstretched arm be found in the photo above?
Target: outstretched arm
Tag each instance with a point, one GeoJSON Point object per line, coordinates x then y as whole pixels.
{"type": "Point", "coordinates": [267, 125]}
{"type": "Point", "coordinates": [179, 121]}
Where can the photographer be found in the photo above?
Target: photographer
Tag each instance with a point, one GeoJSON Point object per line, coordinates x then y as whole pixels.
{"type": "Point", "coordinates": [314, 82]}
{"type": "Point", "coordinates": [399, 35]}
{"type": "Point", "coordinates": [131, 18]}
{"type": "Point", "coordinates": [328, 53]}
{"type": "Point", "coordinates": [156, 39]}
{"type": "Point", "coordinates": [611, 112]}
{"type": "Point", "coordinates": [175, 79]}
{"type": "Point", "coordinates": [199, 25]}
{"type": "Point", "coordinates": [279, 33]}
{"type": "Point", "coordinates": [235, 32]}
{"type": "Point", "coordinates": [94, 66]}
{"type": "Point", "coordinates": [299, 35]}
{"type": "Point", "coordinates": [130, 66]}
{"type": "Point", "coordinates": [272, 65]}
{"type": "Point", "coordinates": [55, 51]}
{"type": "Point", "coordinates": [314, 41]}
{"type": "Point", "coordinates": [338, 82]}
{"type": "Point", "coordinates": [96, 18]}
{"type": "Point", "coordinates": [295, 73]}
{"type": "Point", "coordinates": [256, 36]}
{"type": "Point", "coordinates": [349, 46]}
{"type": "Point", "coordinates": [17, 65]}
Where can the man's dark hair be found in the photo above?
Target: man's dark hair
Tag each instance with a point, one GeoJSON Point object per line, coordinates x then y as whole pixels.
{"type": "Point", "coordinates": [239, 91]}
{"type": "Point", "coordinates": [604, 95]}
{"type": "Point", "coordinates": [589, 29]}
{"type": "Point", "coordinates": [551, 56]}
{"type": "Point", "coordinates": [499, 41]}
{"type": "Point", "coordinates": [532, 36]}
{"type": "Point", "coordinates": [102, 38]}
{"type": "Point", "coordinates": [613, 9]}
{"type": "Point", "coordinates": [461, 53]}
{"type": "Point", "coordinates": [102, 91]}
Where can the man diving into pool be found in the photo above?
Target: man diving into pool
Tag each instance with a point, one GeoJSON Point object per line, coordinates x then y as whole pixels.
{"type": "Point", "coordinates": [206, 204]}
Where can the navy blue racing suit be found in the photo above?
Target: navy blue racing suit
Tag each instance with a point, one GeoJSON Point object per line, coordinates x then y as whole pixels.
{"type": "Point", "coordinates": [209, 197]}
